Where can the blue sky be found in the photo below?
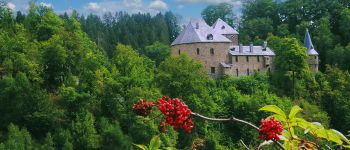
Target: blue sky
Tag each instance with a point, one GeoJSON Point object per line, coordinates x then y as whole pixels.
{"type": "Point", "coordinates": [186, 8]}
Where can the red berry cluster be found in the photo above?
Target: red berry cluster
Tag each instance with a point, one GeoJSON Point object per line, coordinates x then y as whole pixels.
{"type": "Point", "coordinates": [177, 113]}
{"type": "Point", "coordinates": [270, 129]}
{"type": "Point", "coordinates": [143, 108]}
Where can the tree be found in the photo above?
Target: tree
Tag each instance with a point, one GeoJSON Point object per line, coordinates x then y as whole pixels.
{"type": "Point", "coordinates": [112, 137]}
{"type": "Point", "coordinates": [157, 52]}
{"type": "Point", "coordinates": [291, 65]}
{"type": "Point", "coordinates": [48, 142]}
{"type": "Point", "coordinates": [84, 131]}
{"type": "Point", "coordinates": [18, 138]}
{"type": "Point", "coordinates": [261, 9]}
{"type": "Point", "coordinates": [256, 29]}
{"type": "Point", "coordinates": [343, 28]}
{"type": "Point", "coordinates": [173, 26]}
{"type": "Point", "coordinates": [213, 12]}
{"type": "Point", "coordinates": [323, 39]}
{"type": "Point", "coordinates": [135, 70]}
{"type": "Point", "coordinates": [185, 78]}
{"type": "Point", "coordinates": [55, 62]}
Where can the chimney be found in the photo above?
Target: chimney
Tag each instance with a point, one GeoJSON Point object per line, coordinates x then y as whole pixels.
{"type": "Point", "coordinates": [251, 47]}
{"type": "Point", "coordinates": [264, 46]}
{"type": "Point", "coordinates": [197, 25]}
{"type": "Point", "coordinates": [240, 48]}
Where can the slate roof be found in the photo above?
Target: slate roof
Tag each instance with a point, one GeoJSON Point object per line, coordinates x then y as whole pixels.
{"type": "Point", "coordinates": [308, 44]}
{"type": "Point", "coordinates": [225, 65]}
{"type": "Point", "coordinates": [257, 51]}
{"type": "Point", "coordinates": [192, 34]}
{"type": "Point", "coordinates": [222, 27]}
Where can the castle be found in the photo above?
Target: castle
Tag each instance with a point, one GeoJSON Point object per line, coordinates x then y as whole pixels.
{"type": "Point", "coordinates": [217, 48]}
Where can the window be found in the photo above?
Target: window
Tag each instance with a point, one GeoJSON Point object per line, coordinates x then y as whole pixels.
{"type": "Point", "coordinates": [223, 27]}
{"type": "Point", "coordinates": [315, 57]}
{"type": "Point", "coordinates": [212, 51]}
{"type": "Point", "coordinates": [230, 59]}
{"type": "Point", "coordinates": [248, 71]}
{"type": "Point", "coordinates": [212, 70]}
{"type": "Point", "coordinates": [247, 58]}
{"type": "Point", "coordinates": [210, 37]}
{"type": "Point", "coordinates": [237, 72]}
{"type": "Point", "coordinates": [197, 51]}
{"type": "Point", "coordinates": [258, 70]}
{"type": "Point", "coordinates": [258, 58]}
{"type": "Point", "coordinates": [236, 58]}
{"type": "Point", "coordinates": [179, 52]}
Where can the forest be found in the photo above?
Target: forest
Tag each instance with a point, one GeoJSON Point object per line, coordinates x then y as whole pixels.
{"type": "Point", "coordinates": [69, 81]}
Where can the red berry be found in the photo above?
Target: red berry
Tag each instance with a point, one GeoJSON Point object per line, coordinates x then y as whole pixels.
{"type": "Point", "coordinates": [177, 113]}
{"type": "Point", "coordinates": [143, 108]}
{"type": "Point", "coordinates": [270, 129]}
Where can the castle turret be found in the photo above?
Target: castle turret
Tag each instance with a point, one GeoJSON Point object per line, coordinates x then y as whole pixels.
{"type": "Point", "coordinates": [221, 27]}
{"type": "Point", "coordinates": [313, 55]}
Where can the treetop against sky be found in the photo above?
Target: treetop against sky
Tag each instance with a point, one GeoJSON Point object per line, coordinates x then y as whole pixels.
{"type": "Point", "coordinates": [186, 8]}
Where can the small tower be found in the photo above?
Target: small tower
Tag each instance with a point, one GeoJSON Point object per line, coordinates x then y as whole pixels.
{"type": "Point", "coordinates": [313, 55]}
{"type": "Point", "coordinates": [226, 30]}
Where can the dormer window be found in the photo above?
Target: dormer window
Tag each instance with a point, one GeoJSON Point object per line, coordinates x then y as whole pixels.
{"type": "Point", "coordinates": [210, 37]}
{"type": "Point", "coordinates": [223, 27]}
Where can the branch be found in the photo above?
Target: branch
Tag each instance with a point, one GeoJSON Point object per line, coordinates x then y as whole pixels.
{"type": "Point", "coordinates": [233, 119]}
{"type": "Point", "coordinates": [244, 145]}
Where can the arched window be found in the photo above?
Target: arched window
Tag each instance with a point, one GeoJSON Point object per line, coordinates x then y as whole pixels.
{"type": "Point", "coordinates": [212, 51]}
{"type": "Point", "coordinates": [210, 37]}
{"type": "Point", "coordinates": [212, 70]}
{"type": "Point", "coordinates": [223, 27]}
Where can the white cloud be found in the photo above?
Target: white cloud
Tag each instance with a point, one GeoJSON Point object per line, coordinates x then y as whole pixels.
{"type": "Point", "coordinates": [158, 5]}
{"type": "Point", "coordinates": [204, 1]}
{"type": "Point", "coordinates": [49, 5]}
{"type": "Point", "coordinates": [92, 6]}
{"type": "Point", "coordinates": [18, 5]}
{"type": "Point", "coordinates": [11, 6]}
{"type": "Point", "coordinates": [133, 3]}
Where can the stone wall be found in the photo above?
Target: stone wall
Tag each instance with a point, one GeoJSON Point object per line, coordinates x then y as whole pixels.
{"type": "Point", "coordinates": [254, 63]}
{"type": "Point", "coordinates": [313, 63]}
{"type": "Point", "coordinates": [204, 55]}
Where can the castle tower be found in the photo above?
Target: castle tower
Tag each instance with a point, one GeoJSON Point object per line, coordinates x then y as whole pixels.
{"type": "Point", "coordinates": [221, 27]}
{"type": "Point", "coordinates": [313, 55]}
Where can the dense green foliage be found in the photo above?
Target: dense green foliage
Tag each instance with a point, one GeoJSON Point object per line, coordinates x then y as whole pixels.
{"type": "Point", "coordinates": [69, 82]}
{"type": "Point", "coordinates": [327, 20]}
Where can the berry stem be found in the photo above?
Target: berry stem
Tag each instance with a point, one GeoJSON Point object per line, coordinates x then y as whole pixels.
{"type": "Point", "coordinates": [233, 119]}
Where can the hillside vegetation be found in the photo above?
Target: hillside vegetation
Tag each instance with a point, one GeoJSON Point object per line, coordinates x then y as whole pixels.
{"type": "Point", "coordinates": [70, 82]}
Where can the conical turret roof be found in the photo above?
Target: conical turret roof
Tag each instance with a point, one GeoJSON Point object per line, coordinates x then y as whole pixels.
{"type": "Point", "coordinates": [308, 44]}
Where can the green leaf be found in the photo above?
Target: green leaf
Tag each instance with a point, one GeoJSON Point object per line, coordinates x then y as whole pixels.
{"type": "Point", "coordinates": [295, 110]}
{"type": "Point", "coordinates": [341, 136]}
{"type": "Point", "coordinates": [300, 123]}
{"type": "Point", "coordinates": [279, 117]}
{"type": "Point", "coordinates": [333, 136]}
{"type": "Point", "coordinates": [155, 143]}
{"type": "Point", "coordinates": [143, 147]}
{"type": "Point", "coordinates": [273, 109]}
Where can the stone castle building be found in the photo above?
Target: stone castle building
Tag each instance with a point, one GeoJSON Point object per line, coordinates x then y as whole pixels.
{"type": "Point", "coordinates": [217, 48]}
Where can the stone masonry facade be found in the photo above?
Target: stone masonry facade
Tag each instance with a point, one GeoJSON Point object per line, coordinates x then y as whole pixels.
{"type": "Point", "coordinates": [218, 50]}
